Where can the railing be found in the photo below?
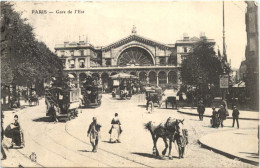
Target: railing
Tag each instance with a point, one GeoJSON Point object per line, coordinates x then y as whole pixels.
{"type": "Point", "coordinates": [136, 66]}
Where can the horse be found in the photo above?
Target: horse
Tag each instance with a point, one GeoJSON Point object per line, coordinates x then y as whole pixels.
{"type": "Point", "coordinates": [167, 130]}
{"type": "Point", "coordinates": [123, 94]}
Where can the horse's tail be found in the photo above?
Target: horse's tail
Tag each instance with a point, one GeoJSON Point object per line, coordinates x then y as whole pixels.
{"type": "Point", "coordinates": [148, 125]}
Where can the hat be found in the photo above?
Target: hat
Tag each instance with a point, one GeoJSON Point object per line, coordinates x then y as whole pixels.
{"type": "Point", "coordinates": [213, 107]}
{"type": "Point", "coordinates": [235, 106]}
{"type": "Point", "coordinates": [94, 118]}
{"type": "Point", "coordinates": [15, 116]}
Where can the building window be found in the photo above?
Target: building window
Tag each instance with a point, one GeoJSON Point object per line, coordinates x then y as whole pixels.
{"type": "Point", "coordinates": [185, 49]}
{"type": "Point", "coordinates": [82, 63]}
{"type": "Point", "coordinates": [71, 52]}
{"type": "Point", "coordinates": [82, 52]}
{"type": "Point", "coordinates": [72, 63]}
{"type": "Point", "coordinates": [64, 63]}
{"type": "Point", "coordinates": [162, 61]}
{"type": "Point", "coordinates": [62, 53]}
{"type": "Point", "coordinates": [108, 62]}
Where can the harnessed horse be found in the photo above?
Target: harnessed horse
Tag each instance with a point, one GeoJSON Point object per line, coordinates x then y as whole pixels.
{"type": "Point", "coordinates": [167, 130]}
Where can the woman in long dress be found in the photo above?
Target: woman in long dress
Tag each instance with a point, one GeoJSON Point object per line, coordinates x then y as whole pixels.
{"type": "Point", "coordinates": [115, 130]}
{"type": "Point", "coordinates": [17, 138]}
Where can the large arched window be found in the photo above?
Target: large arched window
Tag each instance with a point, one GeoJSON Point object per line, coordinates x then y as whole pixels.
{"type": "Point", "coordinates": [172, 77]}
{"type": "Point", "coordinates": [152, 77]}
{"type": "Point", "coordinates": [134, 56]}
{"type": "Point", "coordinates": [162, 76]}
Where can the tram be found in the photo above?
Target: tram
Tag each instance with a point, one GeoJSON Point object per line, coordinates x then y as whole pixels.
{"type": "Point", "coordinates": [62, 98]}
{"type": "Point", "coordinates": [91, 92]}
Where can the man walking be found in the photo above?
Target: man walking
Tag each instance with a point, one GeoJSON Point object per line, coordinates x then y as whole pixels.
{"type": "Point", "coordinates": [235, 115]}
{"type": "Point", "coordinates": [222, 115]}
{"type": "Point", "coordinates": [93, 132]}
{"type": "Point", "coordinates": [201, 110]}
{"type": "Point", "coordinates": [215, 123]}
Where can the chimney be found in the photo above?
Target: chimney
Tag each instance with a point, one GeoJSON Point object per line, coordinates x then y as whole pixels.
{"type": "Point", "coordinates": [185, 36]}
{"type": "Point", "coordinates": [202, 36]}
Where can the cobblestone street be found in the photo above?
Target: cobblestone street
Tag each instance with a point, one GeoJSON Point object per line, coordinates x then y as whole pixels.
{"type": "Point", "coordinates": [66, 144]}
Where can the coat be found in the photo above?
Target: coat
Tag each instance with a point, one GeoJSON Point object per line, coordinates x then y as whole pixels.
{"type": "Point", "coordinates": [201, 108]}
{"type": "Point", "coordinates": [222, 113]}
{"type": "Point", "coordinates": [235, 113]}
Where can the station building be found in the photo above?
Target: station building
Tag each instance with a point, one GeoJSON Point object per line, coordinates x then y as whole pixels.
{"type": "Point", "coordinates": [152, 62]}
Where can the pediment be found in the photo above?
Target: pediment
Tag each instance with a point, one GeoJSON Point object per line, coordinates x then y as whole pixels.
{"type": "Point", "coordinates": [138, 38]}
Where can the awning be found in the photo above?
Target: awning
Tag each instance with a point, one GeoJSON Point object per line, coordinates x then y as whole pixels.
{"type": "Point", "coordinates": [71, 76]}
{"type": "Point", "coordinates": [240, 84]}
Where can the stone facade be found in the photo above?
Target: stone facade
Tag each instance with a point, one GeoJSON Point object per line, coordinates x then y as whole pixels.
{"type": "Point", "coordinates": [153, 62]}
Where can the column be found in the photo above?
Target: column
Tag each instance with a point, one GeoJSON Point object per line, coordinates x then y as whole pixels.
{"type": "Point", "coordinates": [157, 80]}
{"type": "Point", "coordinates": [167, 79]}
{"type": "Point", "coordinates": [77, 80]}
{"type": "Point", "coordinates": [66, 63]}
{"type": "Point", "coordinates": [76, 63]}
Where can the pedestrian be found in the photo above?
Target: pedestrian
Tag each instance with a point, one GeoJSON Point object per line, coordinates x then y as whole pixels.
{"type": "Point", "coordinates": [150, 105]}
{"type": "Point", "coordinates": [235, 115]}
{"type": "Point", "coordinates": [215, 123]}
{"type": "Point", "coordinates": [52, 112]}
{"type": "Point", "coordinates": [201, 109]}
{"type": "Point", "coordinates": [93, 134]}
{"type": "Point", "coordinates": [222, 115]}
{"type": "Point", "coordinates": [115, 130]}
{"type": "Point", "coordinates": [17, 137]}
{"type": "Point", "coordinates": [2, 137]}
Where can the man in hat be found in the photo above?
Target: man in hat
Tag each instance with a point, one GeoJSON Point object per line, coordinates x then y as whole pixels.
{"type": "Point", "coordinates": [201, 109]}
{"type": "Point", "coordinates": [93, 132]}
{"type": "Point", "coordinates": [222, 114]}
{"type": "Point", "coordinates": [214, 117]}
{"type": "Point", "coordinates": [235, 115]}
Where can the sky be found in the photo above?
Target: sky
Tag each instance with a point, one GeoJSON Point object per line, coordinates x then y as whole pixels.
{"type": "Point", "coordinates": [106, 22]}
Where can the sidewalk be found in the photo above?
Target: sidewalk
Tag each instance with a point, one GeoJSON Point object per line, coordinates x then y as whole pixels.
{"type": "Point", "coordinates": [244, 115]}
{"type": "Point", "coordinates": [236, 144]}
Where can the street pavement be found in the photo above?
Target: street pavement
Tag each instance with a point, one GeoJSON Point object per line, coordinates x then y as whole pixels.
{"type": "Point", "coordinates": [226, 142]}
{"type": "Point", "coordinates": [244, 115]}
{"type": "Point", "coordinates": [66, 144]}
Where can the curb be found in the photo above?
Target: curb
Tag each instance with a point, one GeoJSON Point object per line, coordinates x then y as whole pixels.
{"type": "Point", "coordinates": [228, 154]}
{"type": "Point", "coordinates": [256, 119]}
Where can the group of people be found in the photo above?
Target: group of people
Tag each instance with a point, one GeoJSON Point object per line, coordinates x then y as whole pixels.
{"type": "Point", "coordinates": [94, 132]}
{"type": "Point", "coordinates": [219, 116]}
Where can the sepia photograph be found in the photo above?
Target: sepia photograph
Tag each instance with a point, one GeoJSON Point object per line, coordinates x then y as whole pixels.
{"type": "Point", "coordinates": [129, 84]}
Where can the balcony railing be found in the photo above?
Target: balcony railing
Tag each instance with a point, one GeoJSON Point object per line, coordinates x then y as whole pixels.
{"type": "Point", "coordinates": [117, 66]}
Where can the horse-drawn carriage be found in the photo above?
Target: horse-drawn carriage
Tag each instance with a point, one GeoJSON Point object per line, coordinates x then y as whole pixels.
{"type": "Point", "coordinates": [154, 94]}
{"type": "Point", "coordinates": [33, 97]}
{"type": "Point", "coordinates": [62, 101]}
{"type": "Point", "coordinates": [123, 85]}
{"type": "Point", "coordinates": [170, 97]}
{"type": "Point", "coordinates": [91, 92]}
